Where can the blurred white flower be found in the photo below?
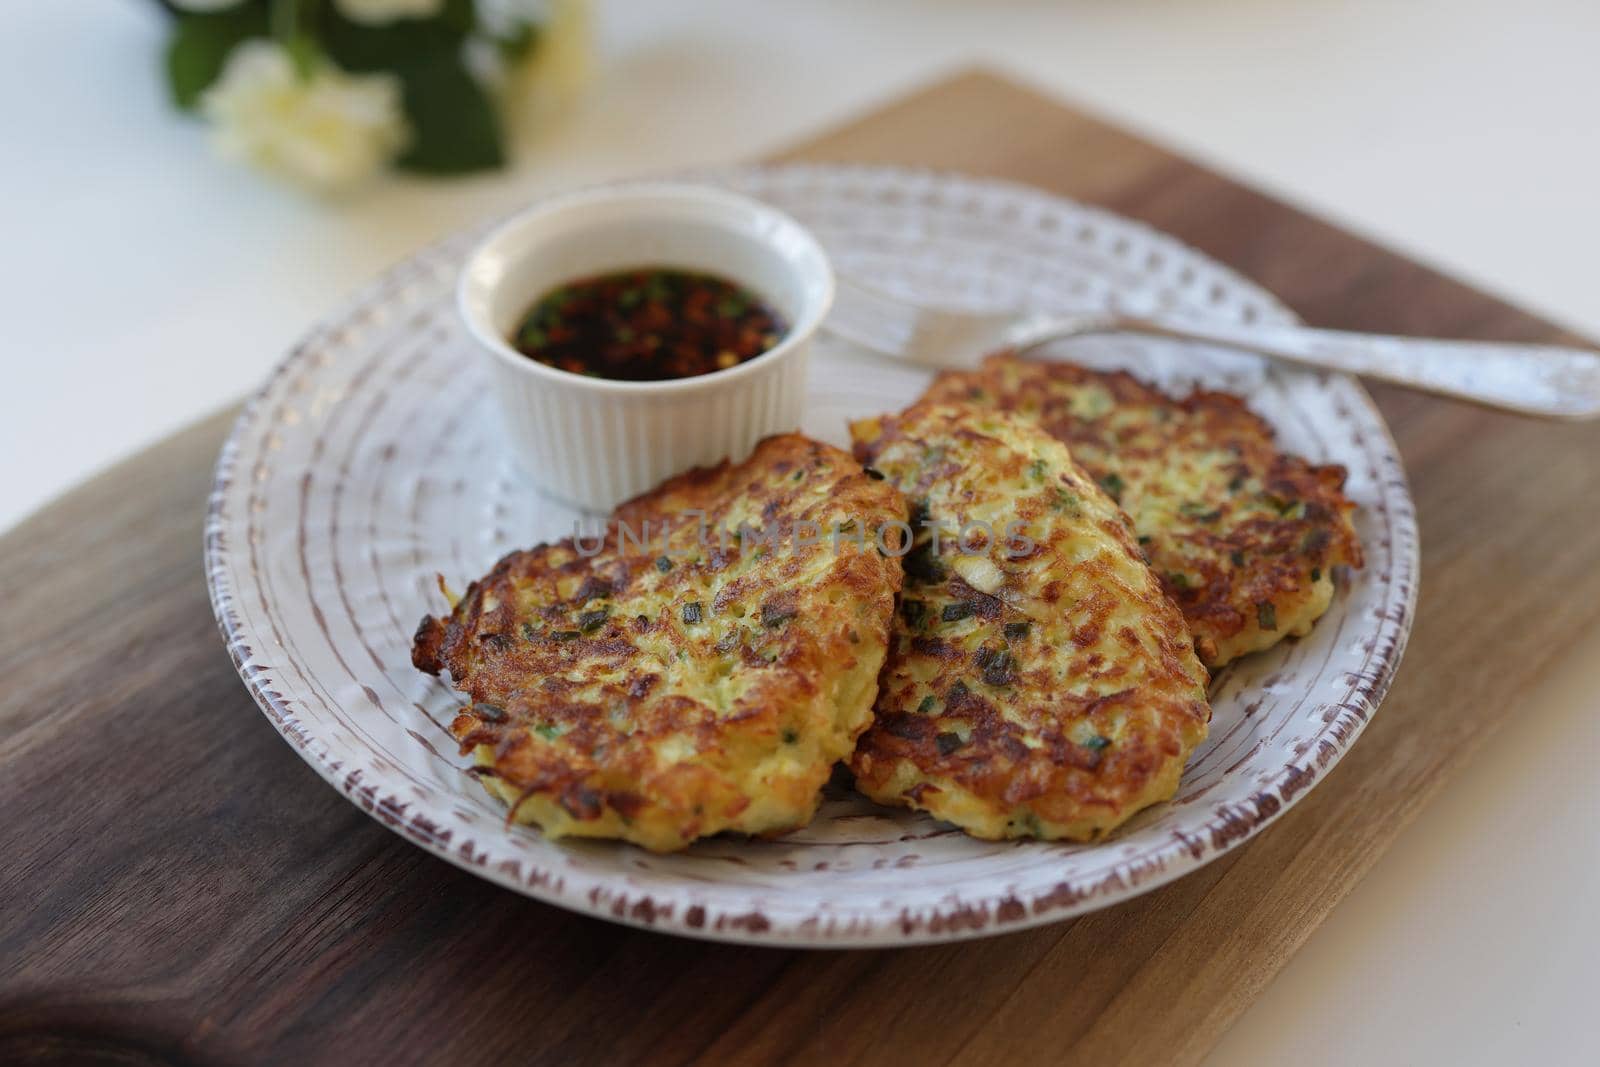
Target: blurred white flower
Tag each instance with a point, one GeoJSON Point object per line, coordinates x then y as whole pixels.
{"type": "Point", "coordinates": [564, 53]}
{"type": "Point", "coordinates": [549, 76]}
{"type": "Point", "coordinates": [205, 5]}
{"type": "Point", "coordinates": [562, 59]}
{"type": "Point", "coordinates": [327, 130]}
{"type": "Point", "coordinates": [485, 62]}
{"type": "Point", "coordinates": [381, 12]}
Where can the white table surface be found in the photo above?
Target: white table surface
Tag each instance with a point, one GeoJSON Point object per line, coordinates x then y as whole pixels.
{"type": "Point", "coordinates": [147, 283]}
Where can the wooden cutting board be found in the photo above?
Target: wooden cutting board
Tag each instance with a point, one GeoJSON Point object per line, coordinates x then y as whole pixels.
{"type": "Point", "coordinates": [178, 886]}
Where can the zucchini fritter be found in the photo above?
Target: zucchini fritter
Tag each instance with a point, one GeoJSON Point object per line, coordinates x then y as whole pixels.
{"type": "Point", "coordinates": [1244, 538]}
{"type": "Point", "coordinates": [670, 691]}
{"type": "Point", "coordinates": [1039, 682]}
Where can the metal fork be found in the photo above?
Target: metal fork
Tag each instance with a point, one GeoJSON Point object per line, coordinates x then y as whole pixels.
{"type": "Point", "coordinates": [1542, 380]}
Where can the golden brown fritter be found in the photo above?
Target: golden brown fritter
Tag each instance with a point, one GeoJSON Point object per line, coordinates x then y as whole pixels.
{"type": "Point", "coordinates": [667, 692]}
{"type": "Point", "coordinates": [1041, 684]}
{"type": "Point", "coordinates": [1244, 538]}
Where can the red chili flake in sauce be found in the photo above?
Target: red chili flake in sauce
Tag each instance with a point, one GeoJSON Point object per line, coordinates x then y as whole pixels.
{"type": "Point", "coordinates": [648, 325]}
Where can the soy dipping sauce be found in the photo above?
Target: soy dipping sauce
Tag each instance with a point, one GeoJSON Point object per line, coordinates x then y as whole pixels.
{"type": "Point", "coordinates": [648, 324]}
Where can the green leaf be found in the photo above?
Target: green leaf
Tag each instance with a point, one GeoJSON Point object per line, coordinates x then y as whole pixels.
{"type": "Point", "coordinates": [395, 45]}
{"type": "Point", "coordinates": [454, 126]}
{"type": "Point", "coordinates": [459, 15]}
{"type": "Point", "coordinates": [200, 47]}
{"type": "Point", "coordinates": [303, 54]}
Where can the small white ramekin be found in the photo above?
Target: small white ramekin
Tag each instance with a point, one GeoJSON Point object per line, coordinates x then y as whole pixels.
{"type": "Point", "coordinates": [595, 442]}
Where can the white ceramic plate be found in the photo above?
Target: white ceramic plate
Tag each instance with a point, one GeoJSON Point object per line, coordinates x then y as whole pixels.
{"type": "Point", "coordinates": [372, 461]}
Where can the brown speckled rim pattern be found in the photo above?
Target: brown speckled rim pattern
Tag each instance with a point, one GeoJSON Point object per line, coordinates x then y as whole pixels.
{"type": "Point", "coordinates": [984, 912]}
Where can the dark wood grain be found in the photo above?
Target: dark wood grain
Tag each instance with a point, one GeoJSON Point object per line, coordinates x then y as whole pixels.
{"type": "Point", "coordinates": [179, 887]}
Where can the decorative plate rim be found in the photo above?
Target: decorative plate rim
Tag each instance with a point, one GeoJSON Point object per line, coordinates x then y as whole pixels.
{"type": "Point", "coordinates": [1219, 834]}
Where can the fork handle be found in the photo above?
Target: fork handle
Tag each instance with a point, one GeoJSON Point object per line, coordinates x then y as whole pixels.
{"type": "Point", "coordinates": [1544, 380]}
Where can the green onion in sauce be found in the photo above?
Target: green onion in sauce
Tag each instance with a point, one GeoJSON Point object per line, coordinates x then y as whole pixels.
{"type": "Point", "coordinates": [647, 325]}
